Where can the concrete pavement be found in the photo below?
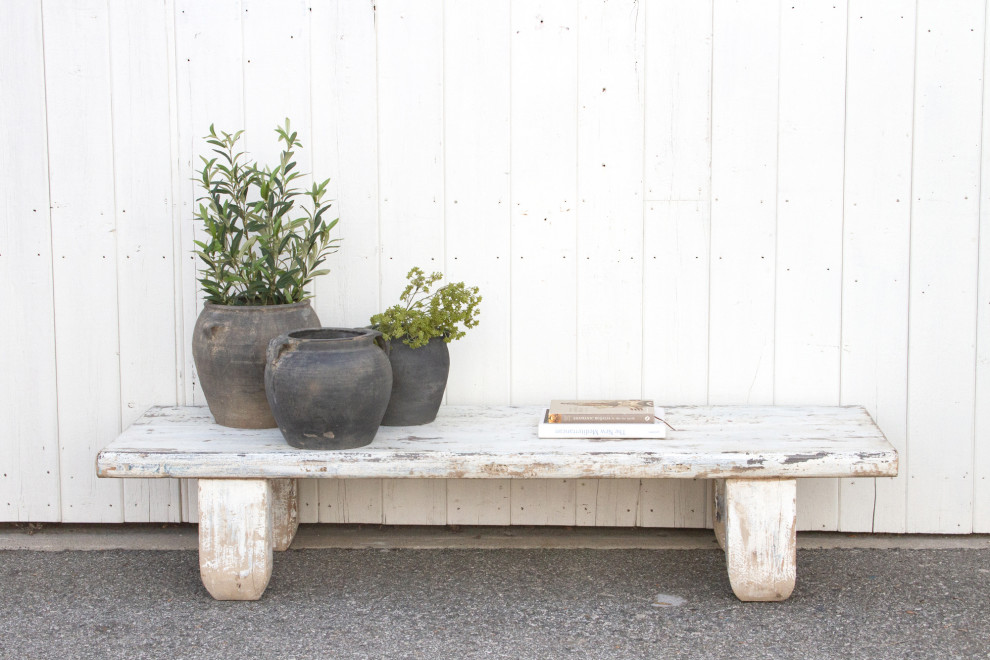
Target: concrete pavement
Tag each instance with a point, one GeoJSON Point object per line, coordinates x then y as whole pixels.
{"type": "Point", "coordinates": [372, 602]}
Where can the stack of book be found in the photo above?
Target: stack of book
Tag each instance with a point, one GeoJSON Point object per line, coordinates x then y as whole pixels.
{"type": "Point", "coordinates": [624, 418]}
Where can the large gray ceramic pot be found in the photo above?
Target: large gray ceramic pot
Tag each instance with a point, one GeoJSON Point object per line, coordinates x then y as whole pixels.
{"type": "Point", "coordinates": [328, 387]}
{"type": "Point", "coordinates": [229, 345]}
{"type": "Point", "coordinates": [419, 377]}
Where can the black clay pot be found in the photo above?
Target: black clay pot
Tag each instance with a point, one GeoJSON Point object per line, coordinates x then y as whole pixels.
{"type": "Point", "coordinates": [328, 387]}
{"type": "Point", "coordinates": [229, 345]}
{"type": "Point", "coordinates": [419, 377]}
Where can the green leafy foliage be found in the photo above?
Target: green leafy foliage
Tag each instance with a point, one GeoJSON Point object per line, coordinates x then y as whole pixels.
{"type": "Point", "coordinates": [421, 315]}
{"type": "Point", "coordinates": [261, 247]}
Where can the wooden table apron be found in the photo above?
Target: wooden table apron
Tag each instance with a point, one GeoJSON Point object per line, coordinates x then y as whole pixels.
{"type": "Point", "coordinates": [248, 497]}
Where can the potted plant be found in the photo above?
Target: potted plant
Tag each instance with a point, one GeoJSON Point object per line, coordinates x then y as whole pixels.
{"type": "Point", "coordinates": [265, 240]}
{"type": "Point", "coordinates": [425, 321]}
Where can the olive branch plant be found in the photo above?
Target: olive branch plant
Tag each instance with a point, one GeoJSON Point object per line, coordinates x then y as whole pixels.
{"type": "Point", "coordinates": [261, 247]}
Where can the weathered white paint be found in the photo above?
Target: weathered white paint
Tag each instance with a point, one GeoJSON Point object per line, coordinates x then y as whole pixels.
{"type": "Point", "coordinates": [476, 135]}
{"type": "Point", "coordinates": [501, 110]}
{"type": "Point", "coordinates": [543, 199]}
{"type": "Point", "coordinates": [410, 141]}
{"type": "Point", "coordinates": [345, 148]}
{"type": "Point", "coordinates": [84, 241]}
{"type": "Point", "coordinates": [209, 90]}
{"type": "Point", "coordinates": [29, 452]}
{"type": "Point", "coordinates": [235, 537]}
{"type": "Point", "coordinates": [673, 503]}
{"type": "Point", "coordinates": [414, 501]}
{"type": "Point", "coordinates": [877, 211]}
{"type": "Point", "coordinates": [242, 519]}
{"type": "Point", "coordinates": [144, 232]}
{"type": "Point", "coordinates": [718, 511]}
{"type": "Point", "coordinates": [745, 86]}
{"type": "Point", "coordinates": [943, 291]}
{"type": "Point", "coordinates": [760, 537]}
{"type": "Point", "coordinates": [808, 277]}
{"type": "Point", "coordinates": [478, 502]}
{"type": "Point", "coordinates": [981, 450]}
{"type": "Point", "coordinates": [609, 210]}
{"type": "Point", "coordinates": [477, 442]}
{"type": "Point", "coordinates": [351, 501]}
{"type": "Point", "coordinates": [285, 512]}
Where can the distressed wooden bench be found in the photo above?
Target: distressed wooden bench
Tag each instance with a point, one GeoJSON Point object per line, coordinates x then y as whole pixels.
{"type": "Point", "coordinates": [248, 502]}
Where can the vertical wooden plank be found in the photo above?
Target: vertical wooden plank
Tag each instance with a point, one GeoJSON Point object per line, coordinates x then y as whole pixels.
{"type": "Point", "coordinates": [410, 148]}
{"type": "Point", "coordinates": [678, 130]}
{"type": "Point", "coordinates": [276, 78]}
{"type": "Point", "coordinates": [543, 501]}
{"type": "Point", "coordinates": [675, 344]}
{"type": "Point", "coordinates": [414, 501]}
{"type": "Point", "coordinates": [145, 259]}
{"type": "Point", "coordinates": [351, 501]}
{"type": "Point", "coordinates": [809, 224]}
{"type": "Point", "coordinates": [610, 116]}
{"type": "Point", "coordinates": [673, 502]}
{"type": "Point", "coordinates": [84, 246]}
{"type": "Point", "coordinates": [209, 90]}
{"type": "Point", "coordinates": [981, 484]}
{"type": "Point", "coordinates": [744, 189]}
{"type": "Point", "coordinates": [876, 237]}
{"type": "Point", "coordinates": [944, 262]}
{"type": "Point", "coordinates": [478, 502]}
{"type": "Point", "coordinates": [676, 232]}
{"type": "Point", "coordinates": [610, 85]}
{"type": "Point", "coordinates": [411, 180]}
{"type": "Point", "coordinates": [617, 502]}
{"type": "Point", "coordinates": [178, 185]}
{"type": "Point", "coordinates": [544, 201]}
{"type": "Point", "coordinates": [585, 501]}
{"type": "Point", "coordinates": [345, 148]}
{"type": "Point", "coordinates": [277, 73]}
{"type": "Point", "coordinates": [29, 476]}
{"type": "Point", "coordinates": [476, 170]}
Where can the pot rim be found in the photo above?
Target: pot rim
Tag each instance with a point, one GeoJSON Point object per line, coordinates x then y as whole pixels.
{"type": "Point", "coordinates": [257, 308]}
{"type": "Point", "coordinates": [356, 334]}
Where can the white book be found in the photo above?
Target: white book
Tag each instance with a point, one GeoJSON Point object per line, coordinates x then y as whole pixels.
{"type": "Point", "coordinates": [594, 430]}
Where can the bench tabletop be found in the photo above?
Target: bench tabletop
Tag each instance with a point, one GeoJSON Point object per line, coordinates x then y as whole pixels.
{"type": "Point", "coordinates": [500, 442]}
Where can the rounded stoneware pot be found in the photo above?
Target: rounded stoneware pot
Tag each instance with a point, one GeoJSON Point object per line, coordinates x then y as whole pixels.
{"type": "Point", "coordinates": [229, 345]}
{"type": "Point", "coordinates": [328, 387]}
{"type": "Point", "coordinates": [419, 377]}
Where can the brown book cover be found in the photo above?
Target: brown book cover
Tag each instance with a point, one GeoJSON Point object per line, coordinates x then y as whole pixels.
{"type": "Point", "coordinates": [616, 411]}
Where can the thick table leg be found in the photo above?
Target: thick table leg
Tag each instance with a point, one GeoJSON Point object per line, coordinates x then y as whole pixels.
{"type": "Point", "coordinates": [235, 537]}
{"type": "Point", "coordinates": [718, 512]}
{"type": "Point", "coordinates": [760, 537]}
{"type": "Point", "coordinates": [285, 512]}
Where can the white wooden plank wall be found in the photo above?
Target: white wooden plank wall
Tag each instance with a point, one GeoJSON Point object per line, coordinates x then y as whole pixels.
{"type": "Point", "coordinates": [808, 275]}
{"type": "Point", "coordinates": [139, 58]}
{"type": "Point", "coordinates": [29, 452]}
{"type": "Point", "coordinates": [877, 211]}
{"type": "Point", "coordinates": [705, 202]}
{"type": "Point", "coordinates": [81, 182]}
{"type": "Point", "coordinates": [209, 49]}
{"type": "Point", "coordinates": [981, 448]}
{"type": "Point", "coordinates": [676, 233]}
{"type": "Point", "coordinates": [945, 214]}
{"type": "Point", "coordinates": [745, 105]}
{"type": "Point", "coordinates": [476, 141]}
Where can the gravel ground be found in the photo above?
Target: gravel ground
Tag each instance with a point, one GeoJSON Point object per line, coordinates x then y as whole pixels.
{"type": "Point", "coordinates": [890, 603]}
